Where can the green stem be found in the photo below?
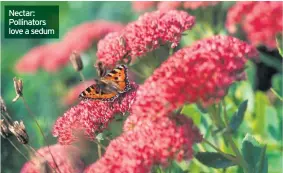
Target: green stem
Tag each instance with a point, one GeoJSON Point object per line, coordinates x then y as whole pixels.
{"type": "Point", "coordinates": [227, 136]}
{"type": "Point", "coordinates": [82, 76]}
{"type": "Point", "coordinates": [171, 51]}
{"type": "Point", "coordinates": [41, 131]}
{"type": "Point", "coordinates": [221, 152]}
{"type": "Point", "coordinates": [225, 113]}
{"type": "Point", "coordinates": [18, 150]}
{"type": "Point", "coordinates": [99, 151]}
{"type": "Point", "coordinates": [216, 118]}
{"type": "Point", "coordinates": [138, 73]}
{"type": "Point", "coordinates": [276, 94]}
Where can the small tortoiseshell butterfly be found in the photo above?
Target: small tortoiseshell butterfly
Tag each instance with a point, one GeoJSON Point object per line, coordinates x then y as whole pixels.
{"type": "Point", "coordinates": [109, 86]}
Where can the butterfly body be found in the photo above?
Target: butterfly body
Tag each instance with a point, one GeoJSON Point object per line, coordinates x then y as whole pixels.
{"type": "Point", "coordinates": [109, 86]}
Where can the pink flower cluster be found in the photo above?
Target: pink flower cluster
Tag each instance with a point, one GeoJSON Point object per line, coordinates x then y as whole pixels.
{"type": "Point", "coordinates": [201, 73]}
{"type": "Point", "coordinates": [261, 21]}
{"type": "Point", "coordinates": [53, 56]}
{"type": "Point", "coordinates": [144, 35]}
{"type": "Point", "coordinates": [90, 117]}
{"type": "Point", "coordinates": [140, 6]}
{"type": "Point", "coordinates": [67, 159]}
{"type": "Point", "coordinates": [170, 5]}
{"type": "Point", "coordinates": [153, 142]}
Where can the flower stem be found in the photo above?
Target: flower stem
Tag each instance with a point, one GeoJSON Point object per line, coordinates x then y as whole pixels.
{"type": "Point", "coordinates": [221, 152]}
{"type": "Point", "coordinates": [228, 137]}
{"type": "Point", "coordinates": [138, 73]}
{"type": "Point", "coordinates": [99, 148]}
{"type": "Point", "coordinates": [225, 113]}
{"type": "Point", "coordinates": [171, 51]}
{"type": "Point", "coordinates": [99, 151]}
{"type": "Point", "coordinates": [276, 94]}
{"type": "Point", "coordinates": [45, 140]}
{"type": "Point", "coordinates": [82, 76]}
{"type": "Point", "coordinates": [36, 152]}
{"type": "Point", "coordinates": [7, 117]}
{"type": "Point", "coordinates": [18, 150]}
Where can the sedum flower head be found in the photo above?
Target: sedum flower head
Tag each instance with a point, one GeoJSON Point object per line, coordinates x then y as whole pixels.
{"type": "Point", "coordinates": [67, 158]}
{"type": "Point", "coordinates": [153, 142]}
{"type": "Point", "coordinates": [144, 35]}
{"type": "Point", "coordinates": [257, 21]}
{"type": "Point", "coordinates": [201, 73]}
{"type": "Point", "coordinates": [91, 117]}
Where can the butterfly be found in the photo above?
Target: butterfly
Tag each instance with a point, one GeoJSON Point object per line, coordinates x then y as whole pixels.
{"type": "Point", "coordinates": [109, 86]}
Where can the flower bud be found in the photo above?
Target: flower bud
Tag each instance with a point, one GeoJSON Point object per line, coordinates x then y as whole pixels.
{"type": "Point", "coordinates": [76, 61]}
{"type": "Point", "coordinates": [18, 129]}
{"type": "Point", "coordinates": [18, 85]}
{"type": "Point", "coordinates": [122, 41]}
{"type": "Point", "coordinates": [4, 132]}
{"type": "Point", "coordinates": [2, 105]}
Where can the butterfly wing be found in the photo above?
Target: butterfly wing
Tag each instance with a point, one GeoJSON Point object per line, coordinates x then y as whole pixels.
{"type": "Point", "coordinates": [93, 93]}
{"type": "Point", "coordinates": [119, 77]}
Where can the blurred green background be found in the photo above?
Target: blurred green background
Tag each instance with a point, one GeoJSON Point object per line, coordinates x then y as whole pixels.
{"type": "Point", "coordinates": [45, 91]}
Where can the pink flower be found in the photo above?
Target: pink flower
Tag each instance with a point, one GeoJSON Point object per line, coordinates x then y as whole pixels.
{"type": "Point", "coordinates": [144, 35]}
{"type": "Point", "coordinates": [91, 117]}
{"type": "Point", "coordinates": [169, 5]}
{"type": "Point", "coordinates": [153, 142]}
{"type": "Point", "coordinates": [51, 57]}
{"type": "Point", "coordinates": [67, 159]}
{"type": "Point", "coordinates": [140, 6]}
{"type": "Point", "coordinates": [31, 61]}
{"type": "Point", "coordinates": [201, 73]}
{"type": "Point", "coordinates": [198, 4]}
{"type": "Point", "coordinates": [80, 38]}
{"type": "Point", "coordinates": [236, 14]}
{"type": "Point", "coordinates": [257, 21]}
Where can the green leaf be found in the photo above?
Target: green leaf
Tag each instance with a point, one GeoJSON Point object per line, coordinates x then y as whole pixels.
{"type": "Point", "coordinates": [238, 116]}
{"type": "Point", "coordinates": [254, 155]}
{"type": "Point", "coordinates": [192, 112]}
{"type": "Point", "coordinates": [279, 44]}
{"type": "Point", "coordinates": [261, 166]}
{"type": "Point", "coordinates": [214, 160]}
{"type": "Point", "coordinates": [273, 122]}
{"type": "Point", "coordinates": [259, 123]}
{"type": "Point", "coordinates": [277, 84]}
{"type": "Point", "coordinates": [174, 168]}
{"type": "Point", "coordinates": [157, 169]}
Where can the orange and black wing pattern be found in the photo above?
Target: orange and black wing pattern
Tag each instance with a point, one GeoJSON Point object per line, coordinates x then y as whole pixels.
{"type": "Point", "coordinates": [119, 76]}
{"type": "Point", "coordinates": [93, 93]}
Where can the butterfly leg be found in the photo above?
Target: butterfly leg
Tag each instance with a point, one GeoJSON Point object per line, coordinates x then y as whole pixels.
{"type": "Point", "coordinates": [120, 98]}
{"type": "Point", "coordinates": [111, 104]}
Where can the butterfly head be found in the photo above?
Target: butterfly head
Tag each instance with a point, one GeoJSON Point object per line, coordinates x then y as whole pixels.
{"type": "Point", "coordinates": [101, 69]}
